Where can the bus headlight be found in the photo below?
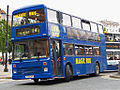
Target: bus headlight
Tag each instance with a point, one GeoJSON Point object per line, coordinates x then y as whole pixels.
{"type": "Point", "coordinates": [14, 71]}
{"type": "Point", "coordinates": [45, 69]}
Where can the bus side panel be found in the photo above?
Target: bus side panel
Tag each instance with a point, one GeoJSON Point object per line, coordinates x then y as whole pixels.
{"type": "Point", "coordinates": [86, 65]}
{"type": "Point", "coordinates": [80, 64]}
{"type": "Point", "coordinates": [103, 53]}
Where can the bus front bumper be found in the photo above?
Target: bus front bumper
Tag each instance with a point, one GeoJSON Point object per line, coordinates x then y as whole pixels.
{"type": "Point", "coordinates": [34, 76]}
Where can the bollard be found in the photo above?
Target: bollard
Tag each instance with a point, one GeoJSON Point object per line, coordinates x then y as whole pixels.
{"type": "Point", "coordinates": [119, 68]}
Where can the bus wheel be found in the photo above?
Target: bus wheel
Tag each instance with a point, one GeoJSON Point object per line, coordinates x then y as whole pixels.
{"type": "Point", "coordinates": [36, 80]}
{"type": "Point", "coordinates": [68, 73]}
{"type": "Point", "coordinates": [97, 69]}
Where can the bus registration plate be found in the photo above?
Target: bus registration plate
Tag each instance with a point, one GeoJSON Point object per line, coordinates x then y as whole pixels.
{"type": "Point", "coordinates": [30, 76]}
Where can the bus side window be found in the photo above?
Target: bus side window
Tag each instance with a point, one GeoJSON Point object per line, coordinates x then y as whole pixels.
{"type": "Point", "coordinates": [79, 50]}
{"type": "Point", "coordinates": [85, 25]}
{"type": "Point", "coordinates": [68, 49]}
{"type": "Point", "coordinates": [66, 20]}
{"type": "Point", "coordinates": [94, 27]}
{"type": "Point", "coordinates": [76, 22]}
{"type": "Point", "coordinates": [88, 50]}
{"type": "Point", "coordinates": [52, 16]}
{"type": "Point", "coordinates": [96, 51]}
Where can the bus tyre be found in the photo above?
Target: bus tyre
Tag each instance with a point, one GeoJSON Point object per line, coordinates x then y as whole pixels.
{"type": "Point", "coordinates": [97, 69]}
{"type": "Point", "coordinates": [36, 80]}
{"type": "Point", "coordinates": [68, 73]}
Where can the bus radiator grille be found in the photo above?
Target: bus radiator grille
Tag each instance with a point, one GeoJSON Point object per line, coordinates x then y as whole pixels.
{"type": "Point", "coordinates": [29, 70]}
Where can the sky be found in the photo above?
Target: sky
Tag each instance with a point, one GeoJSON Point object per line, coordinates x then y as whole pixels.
{"type": "Point", "coordinates": [94, 10]}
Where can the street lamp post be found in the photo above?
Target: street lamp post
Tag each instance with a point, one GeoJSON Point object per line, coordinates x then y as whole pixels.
{"type": "Point", "coordinates": [6, 48]}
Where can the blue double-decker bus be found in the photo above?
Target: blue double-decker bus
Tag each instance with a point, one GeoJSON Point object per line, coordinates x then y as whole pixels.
{"type": "Point", "coordinates": [51, 44]}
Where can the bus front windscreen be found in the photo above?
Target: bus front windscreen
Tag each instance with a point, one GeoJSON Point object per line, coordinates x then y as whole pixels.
{"type": "Point", "coordinates": [31, 49]}
{"type": "Point", "coordinates": [36, 16]}
{"type": "Point", "coordinates": [19, 19]}
{"type": "Point", "coordinates": [29, 17]}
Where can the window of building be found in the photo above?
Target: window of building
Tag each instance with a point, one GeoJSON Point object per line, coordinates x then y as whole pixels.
{"type": "Point", "coordinates": [113, 55]}
{"type": "Point", "coordinates": [66, 20]}
{"type": "Point", "coordinates": [96, 51]}
{"type": "Point", "coordinates": [76, 22]}
{"type": "Point", "coordinates": [79, 50]}
{"type": "Point", "coordinates": [68, 49]}
{"type": "Point", "coordinates": [117, 37]}
{"type": "Point", "coordinates": [52, 16]}
{"type": "Point", "coordinates": [94, 27]}
{"type": "Point", "coordinates": [109, 37]}
{"type": "Point", "coordinates": [100, 27]}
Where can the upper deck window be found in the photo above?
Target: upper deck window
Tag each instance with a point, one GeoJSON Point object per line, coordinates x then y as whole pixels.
{"type": "Point", "coordinates": [76, 22]}
{"type": "Point", "coordinates": [94, 27]}
{"type": "Point", "coordinates": [52, 16]}
{"type": "Point", "coordinates": [66, 20]}
{"type": "Point", "coordinates": [86, 25]}
{"type": "Point", "coordinates": [36, 16]}
{"type": "Point", "coordinates": [19, 19]}
{"type": "Point", "coordinates": [100, 29]}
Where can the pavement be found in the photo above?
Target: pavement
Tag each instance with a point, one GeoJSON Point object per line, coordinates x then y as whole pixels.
{"type": "Point", "coordinates": [116, 75]}
{"type": "Point", "coordinates": [6, 75]}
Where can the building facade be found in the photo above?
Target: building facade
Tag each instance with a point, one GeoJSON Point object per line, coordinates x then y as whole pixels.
{"type": "Point", "coordinates": [2, 14]}
{"type": "Point", "coordinates": [112, 35]}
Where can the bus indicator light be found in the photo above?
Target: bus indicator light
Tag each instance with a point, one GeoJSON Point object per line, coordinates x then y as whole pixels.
{"type": "Point", "coordinates": [44, 63]}
{"type": "Point", "coordinates": [64, 58]}
{"type": "Point", "coordinates": [14, 65]}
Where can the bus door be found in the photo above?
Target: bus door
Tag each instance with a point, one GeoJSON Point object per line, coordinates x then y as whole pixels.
{"type": "Point", "coordinates": [56, 57]}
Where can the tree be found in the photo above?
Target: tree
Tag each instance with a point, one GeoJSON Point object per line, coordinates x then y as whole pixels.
{"type": "Point", "coordinates": [3, 37]}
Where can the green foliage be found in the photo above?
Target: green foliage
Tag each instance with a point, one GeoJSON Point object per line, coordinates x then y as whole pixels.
{"type": "Point", "coordinates": [104, 29]}
{"type": "Point", "coordinates": [3, 36]}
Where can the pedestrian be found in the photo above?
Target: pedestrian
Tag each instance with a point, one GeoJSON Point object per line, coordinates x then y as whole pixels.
{"type": "Point", "coordinates": [0, 60]}
{"type": "Point", "coordinates": [10, 61]}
